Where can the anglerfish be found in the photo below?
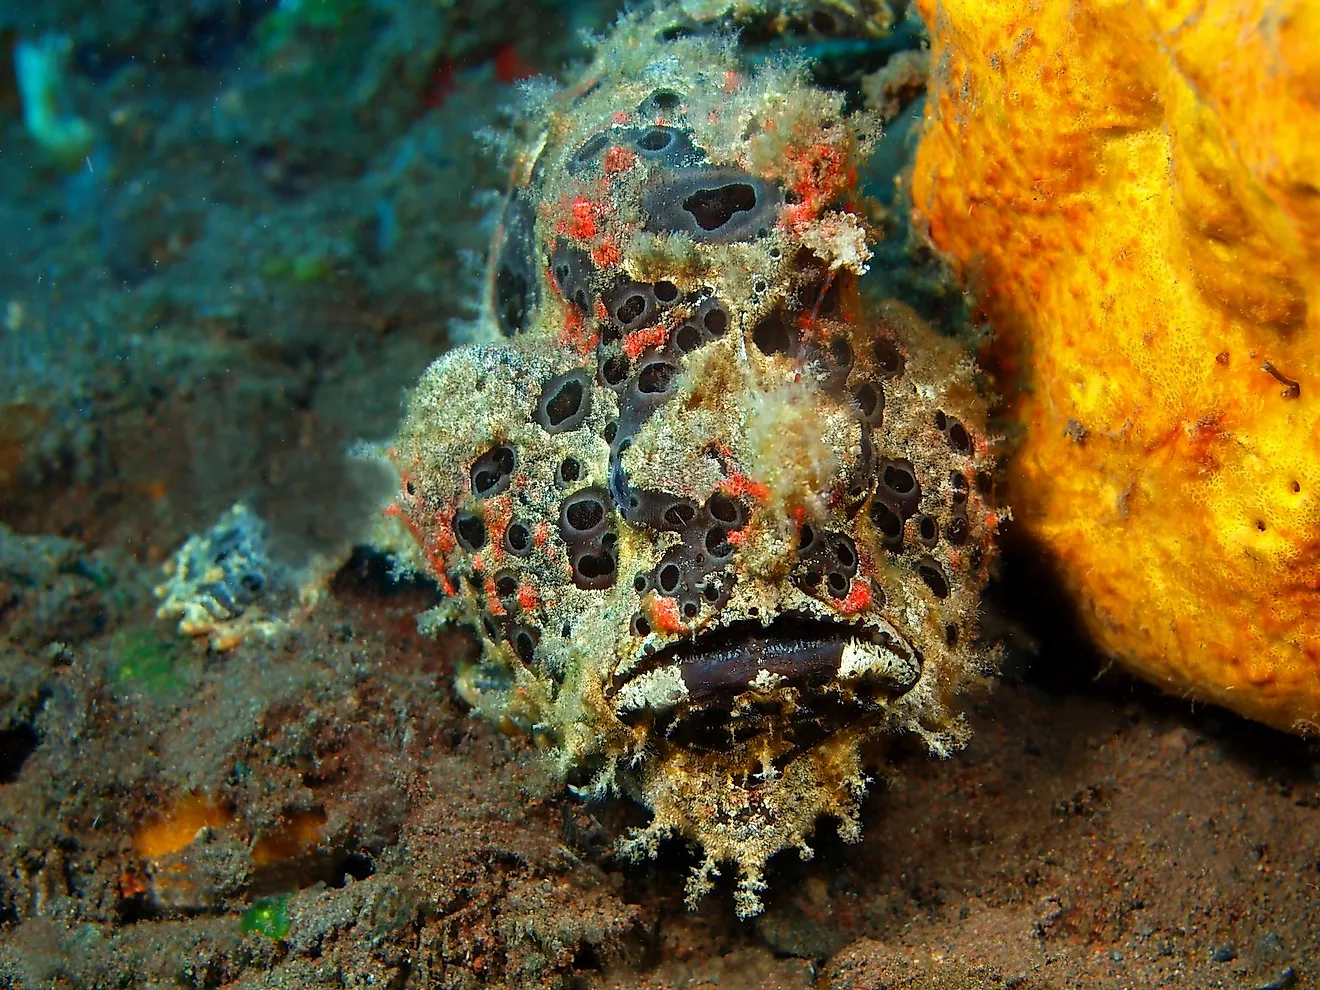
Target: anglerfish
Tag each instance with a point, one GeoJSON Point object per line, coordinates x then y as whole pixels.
{"type": "Point", "coordinates": [720, 520]}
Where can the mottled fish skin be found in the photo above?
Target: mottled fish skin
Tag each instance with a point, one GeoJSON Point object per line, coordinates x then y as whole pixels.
{"type": "Point", "coordinates": [720, 521]}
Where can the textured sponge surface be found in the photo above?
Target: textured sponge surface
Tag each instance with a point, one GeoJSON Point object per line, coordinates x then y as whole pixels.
{"type": "Point", "coordinates": [1135, 190]}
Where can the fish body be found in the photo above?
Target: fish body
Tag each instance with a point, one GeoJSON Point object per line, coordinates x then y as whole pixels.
{"type": "Point", "coordinates": [720, 521]}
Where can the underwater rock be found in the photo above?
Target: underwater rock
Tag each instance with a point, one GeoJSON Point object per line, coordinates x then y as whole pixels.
{"type": "Point", "coordinates": [721, 524]}
{"type": "Point", "coordinates": [187, 856]}
{"type": "Point", "coordinates": [52, 591]}
{"type": "Point", "coordinates": [1132, 189]}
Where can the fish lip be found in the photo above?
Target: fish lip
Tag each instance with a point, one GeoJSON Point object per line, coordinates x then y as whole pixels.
{"type": "Point", "coordinates": [795, 649]}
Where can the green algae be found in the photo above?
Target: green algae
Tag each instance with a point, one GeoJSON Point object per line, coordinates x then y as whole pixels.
{"type": "Point", "coordinates": [268, 916]}
{"type": "Point", "coordinates": [153, 664]}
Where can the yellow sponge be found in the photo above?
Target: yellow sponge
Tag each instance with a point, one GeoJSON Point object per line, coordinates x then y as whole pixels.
{"type": "Point", "coordinates": [1134, 190]}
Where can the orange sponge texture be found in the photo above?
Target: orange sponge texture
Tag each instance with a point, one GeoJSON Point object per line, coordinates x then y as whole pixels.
{"type": "Point", "coordinates": [1133, 189]}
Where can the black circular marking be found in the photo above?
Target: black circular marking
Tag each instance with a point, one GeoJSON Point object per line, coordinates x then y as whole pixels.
{"type": "Point", "coordinates": [589, 151]}
{"type": "Point", "coordinates": [716, 320]}
{"type": "Point", "coordinates": [928, 530]}
{"type": "Point", "coordinates": [889, 358]}
{"type": "Point", "coordinates": [958, 486]}
{"type": "Point", "coordinates": [899, 487]}
{"type": "Point", "coordinates": [898, 479]}
{"type": "Point", "coordinates": [630, 309]}
{"type": "Point", "coordinates": [931, 573]}
{"type": "Point", "coordinates": [859, 483]}
{"type": "Point", "coordinates": [492, 471]}
{"type": "Point", "coordinates": [956, 531]}
{"type": "Point", "coordinates": [941, 420]}
{"type": "Point", "coordinates": [640, 625]}
{"type": "Point", "coordinates": [512, 299]}
{"type": "Point", "coordinates": [524, 643]}
{"type": "Point", "coordinates": [806, 539]}
{"type": "Point", "coordinates": [824, 22]}
{"type": "Point", "coordinates": [665, 99]}
{"type": "Point", "coordinates": [656, 377]}
{"type": "Point", "coordinates": [888, 522]}
{"type": "Point", "coordinates": [565, 402]}
{"type": "Point", "coordinates": [573, 271]}
{"type": "Point", "coordinates": [959, 439]}
{"type": "Point", "coordinates": [568, 471]}
{"type": "Point", "coordinates": [668, 578]}
{"type": "Point", "coordinates": [717, 543]}
{"type": "Point", "coordinates": [610, 432]}
{"type": "Point", "coordinates": [845, 552]}
{"type": "Point", "coordinates": [665, 291]}
{"type": "Point", "coordinates": [841, 353]}
{"type": "Point", "coordinates": [514, 288]}
{"type": "Point", "coordinates": [713, 208]}
{"type": "Point", "coordinates": [470, 529]}
{"type": "Point", "coordinates": [640, 584]}
{"type": "Point", "coordinates": [871, 402]}
{"type": "Point", "coordinates": [679, 515]}
{"type": "Point", "coordinates": [687, 338]}
{"type": "Point", "coordinates": [615, 370]}
{"type": "Point", "coordinates": [583, 515]}
{"type": "Point", "coordinates": [593, 571]}
{"type": "Point", "coordinates": [506, 584]}
{"type": "Point", "coordinates": [518, 538]}
{"type": "Point", "coordinates": [725, 509]}
{"type": "Point", "coordinates": [772, 336]}
{"type": "Point", "coordinates": [837, 584]}
{"type": "Point", "coordinates": [656, 139]}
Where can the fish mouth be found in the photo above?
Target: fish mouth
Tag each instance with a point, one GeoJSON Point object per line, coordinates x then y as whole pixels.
{"type": "Point", "coordinates": [799, 676]}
